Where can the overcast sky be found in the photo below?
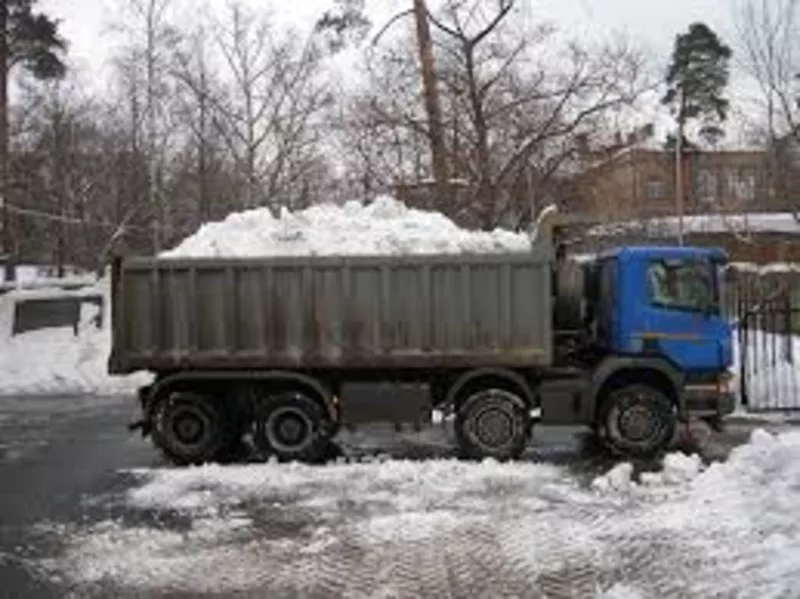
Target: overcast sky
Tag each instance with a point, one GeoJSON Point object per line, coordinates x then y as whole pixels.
{"type": "Point", "coordinates": [649, 22]}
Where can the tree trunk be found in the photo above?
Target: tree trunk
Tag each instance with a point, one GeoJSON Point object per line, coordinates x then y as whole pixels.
{"type": "Point", "coordinates": [153, 195]}
{"type": "Point", "coordinates": [5, 185]}
{"type": "Point", "coordinates": [486, 196]}
{"type": "Point", "coordinates": [432, 104]}
{"type": "Point", "coordinates": [205, 211]}
{"type": "Point", "coordinates": [60, 187]}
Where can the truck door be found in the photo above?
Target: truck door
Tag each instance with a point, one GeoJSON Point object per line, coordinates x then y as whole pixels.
{"type": "Point", "coordinates": [681, 317]}
{"type": "Point", "coordinates": [607, 319]}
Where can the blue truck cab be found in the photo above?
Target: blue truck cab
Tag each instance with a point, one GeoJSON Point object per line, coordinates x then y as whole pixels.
{"type": "Point", "coordinates": [663, 303]}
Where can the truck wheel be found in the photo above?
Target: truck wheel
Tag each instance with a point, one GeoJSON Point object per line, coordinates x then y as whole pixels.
{"type": "Point", "coordinates": [190, 429]}
{"type": "Point", "coordinates": [291, 426]}
{"type": "Point", "coordinates": [493, 423]}
{"type": "Point", "coordinates": [637, 421]}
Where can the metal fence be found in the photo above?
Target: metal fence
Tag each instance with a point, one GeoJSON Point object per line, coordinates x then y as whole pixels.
{"type": "Point", "coordinates": [768, 346]}
{"type": "Point", "coordinates": [765, 310]}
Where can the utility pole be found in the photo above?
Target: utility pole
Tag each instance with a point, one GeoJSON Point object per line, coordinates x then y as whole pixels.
{"type": "Point", "coordinates": [432, 104]}
{"type": "Point", "coordinates": [679, 170]}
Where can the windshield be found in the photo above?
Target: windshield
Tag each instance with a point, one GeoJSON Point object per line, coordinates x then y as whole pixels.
{"type": "Point", "coordinates": [683, 284]}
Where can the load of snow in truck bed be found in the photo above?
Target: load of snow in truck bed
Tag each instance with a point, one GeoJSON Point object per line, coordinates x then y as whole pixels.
{"type": "Point", "coordinates": [383, 227]}
{"type": "Point", "coordinates": [58, 361]}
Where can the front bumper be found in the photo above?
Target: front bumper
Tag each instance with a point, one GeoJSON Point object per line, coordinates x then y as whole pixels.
{"type": "Point", "coordinates": [714, 400]}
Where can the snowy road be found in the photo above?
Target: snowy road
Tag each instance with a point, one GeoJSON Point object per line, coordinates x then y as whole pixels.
{"type": "Point", "coordinates": [90, 511]}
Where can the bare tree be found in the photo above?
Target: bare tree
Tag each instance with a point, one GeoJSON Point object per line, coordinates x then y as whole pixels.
{"type": "Point", "coordinates": [432, 103]}
{"type": "Point", "coordinates": [267, 111]}
{"type": "Point", "coordinates": [73, 162]}
{"type": "Point", "coordinates": [197, 79]}
{"type": "Point", "coordinates": [767, 31]}
{"type": "Point", "coordinates": [512, 105]}
{"type": "Point", "coordinates": [770, 46]}
{"type": "Point", "coordinates": [145, 66]}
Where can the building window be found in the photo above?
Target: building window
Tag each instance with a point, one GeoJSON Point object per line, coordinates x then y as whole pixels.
{"type": "Point", "coordinates": [742, 184]}
{"type": "Point", "coordinates": [706, 186]}
{"type": "Point", "coordinates": [654, 190]}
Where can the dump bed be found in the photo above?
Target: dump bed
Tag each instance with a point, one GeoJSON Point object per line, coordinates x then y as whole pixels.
{"type": "Point", "coordinates": [331, 312]}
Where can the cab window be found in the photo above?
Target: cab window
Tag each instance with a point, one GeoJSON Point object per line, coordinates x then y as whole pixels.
{"type": "Point", "coordinates": [682, 284]}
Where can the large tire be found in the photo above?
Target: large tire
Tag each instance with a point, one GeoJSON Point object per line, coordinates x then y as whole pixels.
{"type": "Point", "coordinates": [192, 429]}
{"type": "Point", "coordinates": [492, 423]}
{"type": "Point", "coordinates": [292, 427]}
{"type": "Point", "coordinates": [637, 421]}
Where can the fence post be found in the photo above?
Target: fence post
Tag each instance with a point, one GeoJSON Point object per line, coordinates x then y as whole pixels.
{"type": "Point", "coordinates": [788, 341]}
{"type": "Point", "coordinates": [743, 342]}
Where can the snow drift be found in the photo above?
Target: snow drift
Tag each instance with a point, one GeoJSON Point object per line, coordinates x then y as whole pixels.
{"type": "Point", "coordinates": [384, 227]}
{"type": "Point", "coordinates": [448, 528]}
{"type": "Point", "coordinates": [56, 361]}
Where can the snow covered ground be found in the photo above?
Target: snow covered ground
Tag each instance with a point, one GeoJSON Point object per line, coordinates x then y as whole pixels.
{"type": "Point", "coordinates": [453, 529]}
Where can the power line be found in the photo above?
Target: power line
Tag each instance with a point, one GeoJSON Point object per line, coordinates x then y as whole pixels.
{"type": "Point", "coordinates": [72, 220]}
{"type": "Point", "coordinates": [59, 218]}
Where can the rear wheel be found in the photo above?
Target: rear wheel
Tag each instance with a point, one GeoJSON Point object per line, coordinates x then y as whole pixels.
{"type": "Point", "coordinates": [637, 421]}
{"type": "Point", "coordinates": [191, 429]}
{"type": "Point", "coordinates": [291, 426]}
{"type": "Point", "coordinates": [493, 423]}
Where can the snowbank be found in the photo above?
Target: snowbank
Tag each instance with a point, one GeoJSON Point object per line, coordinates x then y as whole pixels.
{"type": "Point", "coordinates": [765, 269]}
{"type": "Point", "coordinates": [55, 361]}
{"type": "Point", "coordinates": [385, 226]}
{"type": "Point", "coordinates": [747, 223]}
{"type": "Point", "coordinates": [450, 528]}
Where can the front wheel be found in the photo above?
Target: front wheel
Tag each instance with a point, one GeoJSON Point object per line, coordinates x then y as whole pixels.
{"type": "Point", "coordinates": [637, 421]}
{"type": "Point", "coordinates": [493, 423]}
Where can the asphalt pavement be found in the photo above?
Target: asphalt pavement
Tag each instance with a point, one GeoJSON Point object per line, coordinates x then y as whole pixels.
{"type": "Point", "coordinates": [55, 452]}
{"type": "Point", "coordinates": [59, 454]}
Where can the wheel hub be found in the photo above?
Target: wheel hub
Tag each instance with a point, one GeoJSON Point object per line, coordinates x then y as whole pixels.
{"type": "Point", "coordinates": [494, 428]}
{"type": "Point", "coordinates": [288, 428]}
{"type": "Point", "coordinates": [637, 423]}
{"type": "Point", "coordinates": [188, 427]}
{"type": "Point", "coordinates": [291, 430]}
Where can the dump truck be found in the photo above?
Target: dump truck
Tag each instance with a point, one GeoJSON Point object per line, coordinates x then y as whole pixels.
{"type": "Point", "coordinates": [630, 343]}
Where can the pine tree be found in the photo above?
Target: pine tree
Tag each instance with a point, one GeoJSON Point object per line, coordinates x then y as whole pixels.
{"type": "Point", "coordinates": [345, 24]}
{"type": "Point", "coordinates": [30, 41]}
{"type": "Point", "coordinates": [696, 82]}
{"type": "Point", "coordinates": [697, 78]}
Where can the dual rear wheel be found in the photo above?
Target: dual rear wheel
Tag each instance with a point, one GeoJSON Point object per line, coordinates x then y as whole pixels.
{"type": "Point", "coordinates": [192, 428]}
{"type": "Point", "coordinates": [493, 423]}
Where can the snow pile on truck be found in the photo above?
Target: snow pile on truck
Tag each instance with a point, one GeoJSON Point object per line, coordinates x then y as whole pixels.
{"type": "Point", "coordinates": [383, 227]}
{"type": "Point", "coordinates": [58, 361]}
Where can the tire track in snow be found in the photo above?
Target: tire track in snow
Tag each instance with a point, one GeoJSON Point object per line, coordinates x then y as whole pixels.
{"type": "Point", "coordinates": [453, 529]}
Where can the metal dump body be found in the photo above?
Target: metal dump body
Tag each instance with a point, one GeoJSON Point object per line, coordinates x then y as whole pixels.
{"type": "Point", "coordinates": [332, 312]}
